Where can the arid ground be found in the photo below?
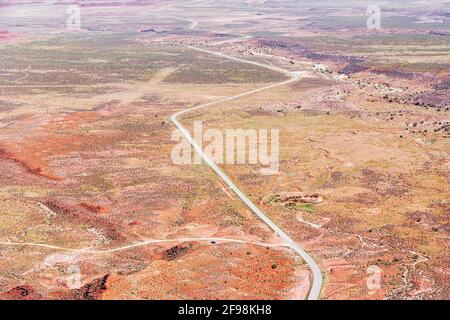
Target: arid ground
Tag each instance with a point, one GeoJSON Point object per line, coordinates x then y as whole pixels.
{"type": "Point", "coordinates": [93, 207]}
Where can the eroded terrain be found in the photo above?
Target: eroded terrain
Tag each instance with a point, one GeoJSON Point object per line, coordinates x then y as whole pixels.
{"type": "Point", "coordinates": [92, 206]}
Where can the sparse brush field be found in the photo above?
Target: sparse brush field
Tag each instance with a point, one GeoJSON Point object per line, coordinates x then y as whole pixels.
{"type": "Point", "coordinates": [85, 163]}
{"type": "Point", "coordinates": [382, 188]}
{"type": "Point", "coordinates": [86, 175]}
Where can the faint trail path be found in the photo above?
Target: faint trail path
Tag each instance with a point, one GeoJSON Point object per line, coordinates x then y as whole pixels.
{"type": "Point", "coordinates": [231, 40]}
{"type": "Point", "coordinates": [140, 244]}
{"type": "Point", "coordinates": [25, 74]}
{"type": "Point", "coordinates": [316, 287]}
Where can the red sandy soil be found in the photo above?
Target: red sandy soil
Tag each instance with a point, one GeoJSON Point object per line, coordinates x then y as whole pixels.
{"type": "Point", "coordinates": [30, 153]}
{"type": "Point", "coordinates": [5, 35]}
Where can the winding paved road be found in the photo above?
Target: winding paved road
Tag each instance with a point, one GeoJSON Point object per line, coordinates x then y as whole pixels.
{"type": "Point", "coordinates": [314, 292]}
{"type": "Point", "coordinates": [316, 287]}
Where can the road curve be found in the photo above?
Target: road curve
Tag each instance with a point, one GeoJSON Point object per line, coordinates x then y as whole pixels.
{"type": "Point", "coordinates": [316, 286]}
